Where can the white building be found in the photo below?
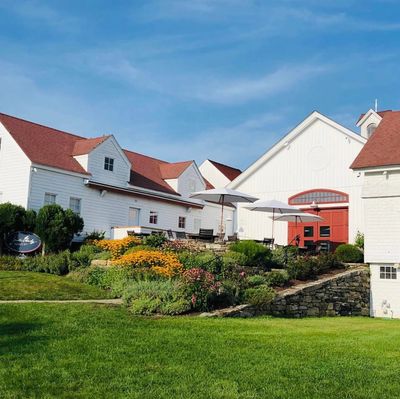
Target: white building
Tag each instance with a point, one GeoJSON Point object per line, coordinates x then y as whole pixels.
{"type": "Point", "coordinates": [308, 168]}
{"type": "Point", "coordinates": [379, 163]}
{"type": "Point", "coordinates": [113, 189]}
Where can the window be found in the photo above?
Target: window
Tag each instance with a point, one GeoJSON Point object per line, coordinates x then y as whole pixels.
{"type": "Point", "coordinates": [371, 129]}
{"type": "Point", "coordinates": [49, 198]}
{"type": "Point", "coordinates": [109, 164]}
{"type": "Point", "coordinates": [153, 217]}
{"type": "Point", "coordinates": [75, 205]}
{"type": "Point", "coordinates": [308, 231]}
{"type": "Point", "coordinates": [319, 197]}
{"type": "Point", "coordinates": [388, 273]}
{"type": "Point", "coordinates": [181, 222]}
{"type": "Point", "coordinates": [325, 231]}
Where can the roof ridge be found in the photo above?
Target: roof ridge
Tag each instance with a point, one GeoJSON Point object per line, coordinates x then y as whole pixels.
{"type": "Point", "coordinates": [223, 164]}
{"type": "Point", "coordinates": [40, 124]}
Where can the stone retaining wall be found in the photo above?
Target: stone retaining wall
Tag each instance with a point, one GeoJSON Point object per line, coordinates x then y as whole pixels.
{"type": "Point", "coordinates": [344, 294]}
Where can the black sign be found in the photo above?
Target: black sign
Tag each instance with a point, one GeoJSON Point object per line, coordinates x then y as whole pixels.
{"type": "Point", "coordinates": [23, 242]}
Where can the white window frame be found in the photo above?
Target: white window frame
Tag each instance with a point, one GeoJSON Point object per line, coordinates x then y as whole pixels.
{"type": "Point", "coordinates": [109, 164]}
{"type": "Point", "coordinates": [153, 217]}
{"type": "Point", "coordinates": [46, 195]}
{"type": "Point", "coordinates": [182, 222]}
{"type": "Point", "coordinates": [387, 272]}
{"type": "Point", "coordinates": [77, 211]}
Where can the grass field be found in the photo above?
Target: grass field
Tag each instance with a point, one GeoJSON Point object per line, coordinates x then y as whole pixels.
{"type": "Point", "coordinates": [30, 285]}
{"type": "Point", "coordinates": [92, 351]}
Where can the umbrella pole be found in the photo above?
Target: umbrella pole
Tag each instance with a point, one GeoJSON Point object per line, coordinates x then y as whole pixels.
{"type": "Point", "coordinates": [273, 222]}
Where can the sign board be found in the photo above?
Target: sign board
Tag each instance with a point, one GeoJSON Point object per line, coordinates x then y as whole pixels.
{"type": "Point", "coordinates": [23, 242]}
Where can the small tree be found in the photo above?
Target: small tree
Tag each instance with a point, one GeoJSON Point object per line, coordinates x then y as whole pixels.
{"type": "Point", "coordinates": [56, 227]}
{"type": "Point", "coordinates": [12, 218]}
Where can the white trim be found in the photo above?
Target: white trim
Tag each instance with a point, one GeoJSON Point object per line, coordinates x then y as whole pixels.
{"type": "Point", "coordinates": [117, 147]}
{"type": "Point", "coordinates": [57, 170]}
{"type": "Point", "coordinates": [367, 115]}
{"type": "Point", "coordinates": [283, 143]}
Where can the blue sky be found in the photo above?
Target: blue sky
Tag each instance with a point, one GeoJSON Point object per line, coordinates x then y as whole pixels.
{"type": "Point", "coordinates": [196, 79]}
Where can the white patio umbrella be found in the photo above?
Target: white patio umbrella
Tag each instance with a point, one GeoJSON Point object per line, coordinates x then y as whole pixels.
{"type": "Point", "coordinates": [298, 217]}
{"type": "Point", "coordinates": [222, 196]}
{"type": "Point", "coordinates": [272, 206]}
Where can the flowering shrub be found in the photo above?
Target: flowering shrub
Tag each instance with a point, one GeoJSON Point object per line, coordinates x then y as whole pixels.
{"type": "Point", "coordinates": [199, 285]}
{"type": "Point", "coordinates": [164, 264]}
{"type": "Point", "coordinates": [181, 246]}
{"type": "Point", "coordinates": [117, 247]}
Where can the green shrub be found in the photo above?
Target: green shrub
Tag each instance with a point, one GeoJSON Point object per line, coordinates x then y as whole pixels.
{"type": "Point", "coordinates": [232, 260]}
{"type": "Point", "coordinates": [8, 262]}
{"type": "Point", "coordinates": [203, 260]}
{"type": "Point", "coordinates": [103, 255]}
{"type": "Point", "coordinates": [95, 235]}
{"type": "Point", "coordinates": [349, 253]}
{"type": "Point", "coordinates": [281, 256]}
{"type": "Point", "coordinates": [156, 296]}
{"type": "Point", "coordinates": [54, 264]}
{"type": "Point", "coordinates": [84, 256]}
{"type": "Point", "coordinates": [260, 296]}
{"type": "Point", "coordinates": [277, 278]}
{"type": "Point", "coordinates": [155, 240]}
{"type": "Point", "coordinates": [359, 240]}
{"type": "Point", "coordinates": [256, 280]}
{"type": "Point", "coordinates": [256, 254]}
{"type": "Point", "coordinates": [137, 248]}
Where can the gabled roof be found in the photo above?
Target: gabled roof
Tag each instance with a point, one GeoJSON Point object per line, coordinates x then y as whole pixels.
{"type": "Point", "coordinates": [288, 138]}
{"type": "Point", "coordinates": [174, 170]}
{"type": "Point", "coordinates": [227, 171]}
{"type": "Point", "coordinates": [35, 141]}
{"type": "Point", "coordinates": [380, 113]}
{"type": "Point", "coordinates": [383, 147]}
{"type": "Point", "coordinates": [54, 148]}
{"type": "Point", "coordinates": [85, 146]}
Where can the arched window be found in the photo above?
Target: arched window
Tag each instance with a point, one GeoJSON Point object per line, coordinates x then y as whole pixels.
{"type": "Point", "coordinates": [370, 129]}
{"type": "Point", "coordinates": [320, 196]}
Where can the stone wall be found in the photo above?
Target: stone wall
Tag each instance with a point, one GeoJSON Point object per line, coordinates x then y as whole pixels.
{"type": "Point", "coordinates": [343, 294]}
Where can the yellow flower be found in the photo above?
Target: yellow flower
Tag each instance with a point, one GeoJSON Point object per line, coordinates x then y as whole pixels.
{"type": "Point", "coordinates": [117, 247]}
{"type": "Point", "coordinates": [164, 264]}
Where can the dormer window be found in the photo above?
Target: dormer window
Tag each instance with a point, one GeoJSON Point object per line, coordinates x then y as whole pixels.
{"type": "Point", "coordinates": [371, 129]}
{"type": "Point", "coordinates": [109, 164]}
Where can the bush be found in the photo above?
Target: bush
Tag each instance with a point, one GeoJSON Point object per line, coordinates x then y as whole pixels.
{"type": "Point", "coordinates": [164, 264]}
{"type": "Point", "coordinates": [156, 296]}
{"type": "Point", "coordinates": [260, 296]}
{"type": "Point", "coordinates": [84, 256]}
{"type": "Point", "coordinates": [359, 240]}
{"type": "Point", "coordinates": [8, 262]}
{"type": "Point", "coordinates": [95, 235]}
{"type": "Point", "coordinates": [138, 248]}
{"type": "Point", "coordinates": [277, 278]}
{"type": "Point", "coordinates": [256, 280]}
{"type": "Point", "coordinates": [199, 284]}
{"type": "Point", "coordinates": [232, 260]}
{"type": "Point", "coordinates": [256, 254]}
{"type": "Point", "coordinates": [349, 253]}
{"type": "Point", "coordinates": [155, 240]}
{"type": "Point", "coordinates": [54, 264]}
{"type": "Point", "coordinates": [281, 256]}
{"type": "Point", "coordinates": [117, 247]}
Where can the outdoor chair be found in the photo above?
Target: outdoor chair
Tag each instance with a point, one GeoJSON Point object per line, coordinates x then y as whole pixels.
{"type": "Point", "coordinates": [170, 235]}
{"type": "Point", "coordinates": [269, 242]}
{"type": "Point", "coordinates": [233, 237]}
{"type": "Point", "coordinates": [180, 235]}
{"type": "Point", "coordinates": [206, 235]}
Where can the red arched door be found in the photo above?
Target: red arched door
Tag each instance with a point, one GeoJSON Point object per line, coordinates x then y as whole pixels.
{"type": "Point", "coordinates": [327, 233]}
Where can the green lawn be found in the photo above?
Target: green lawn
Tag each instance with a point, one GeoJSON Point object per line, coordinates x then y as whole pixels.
{"type": "Point", "coordinates": [30, 285]}
{"type": "Point", "coordinates": [92, 351]}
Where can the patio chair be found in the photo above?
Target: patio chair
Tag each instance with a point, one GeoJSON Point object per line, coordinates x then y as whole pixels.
{"type": "Point", "coordinates": [206, 235]}
{"type": "Point", "coordinates": [233, 237]}
{"type": "Point", "coordinates": [170, 235]}
{"type": "Point", "coordinates": [180, 235]}
{"type": "Point", "coordinates": [269, 242]}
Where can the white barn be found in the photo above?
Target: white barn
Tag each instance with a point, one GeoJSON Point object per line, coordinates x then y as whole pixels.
{"type": "Point", "coordinates": [379, 162]}
{"type": "Point", "coordinates": [307, 168]}
{"type": "Point", "coordinates": [113, 189]}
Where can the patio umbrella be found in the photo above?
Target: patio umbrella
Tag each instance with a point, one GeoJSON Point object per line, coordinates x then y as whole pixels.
{"type": "Point", "coordinates": [272, 206]}
{"type": "Point", "coordinates": [222, 196]}
{"type": "Point", "coordinates": [299, 217]}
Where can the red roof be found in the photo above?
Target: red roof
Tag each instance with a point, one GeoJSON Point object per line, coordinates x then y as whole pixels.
{"type": "Point", "coordinates": [380, 113]}
{"type": "Point", "coordinates": [383, 147]}
{"type": "Point", "coordinates": [227, 171]}
{"type": "Point", "coordinates": [174, 170]}
{"type": "Point", "coordinates": [84, 146]}
{"type": "Point", "coordinates": [51, 147]}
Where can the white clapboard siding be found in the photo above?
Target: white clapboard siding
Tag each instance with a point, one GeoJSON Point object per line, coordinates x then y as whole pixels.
{"type": "Point", "coordinates": [190, 181]}
{"type": "Point", "coordinates": [14, 170]}
{"type": "Point", "coordinates": [317, 158]}
{"type": "Point", "coordinates": [385, 293]}
{"type": "Point", "coordinates": [121, 173]}
{"type": "Point", "coordinates": [213, 175]}
{"type": "Point", "coordinates": [110, 210]}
